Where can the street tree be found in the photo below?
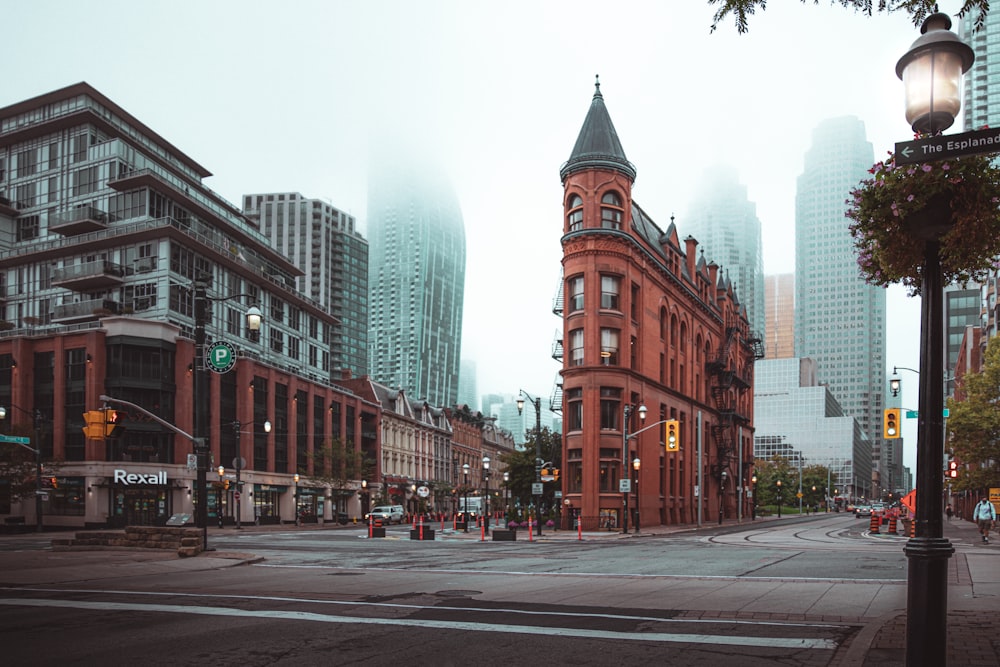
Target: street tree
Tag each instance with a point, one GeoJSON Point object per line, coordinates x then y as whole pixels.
{"type": "Point", "coordinates": [339, 466]}
{"type": "Point", "coordinates": [974, 425]}
{"type": "Point", "coordinates": [521, 468]}
{"type": "Point", "coordinates": [918, 10]}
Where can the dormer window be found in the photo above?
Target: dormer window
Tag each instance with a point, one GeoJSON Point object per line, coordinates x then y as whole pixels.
{"type": "Point", "coordinates": [575, 217]}
{"type": "Point", "coordinates": [611, 211]}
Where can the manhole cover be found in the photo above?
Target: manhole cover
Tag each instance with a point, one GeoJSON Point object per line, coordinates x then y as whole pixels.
{"type": "Point", "coordinates": [458, 593]}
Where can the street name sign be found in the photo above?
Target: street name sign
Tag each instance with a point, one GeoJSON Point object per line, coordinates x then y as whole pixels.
{"type": "Point", "coordinates": [947, 146]}
{"type": "Point", "coordinates": [17, 439]}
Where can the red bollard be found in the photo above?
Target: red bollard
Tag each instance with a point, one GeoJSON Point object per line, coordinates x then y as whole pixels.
{"type": "Point", "coordinates": [531, 530]}
{"type": "Point", "coordinates": [421, 528]}
{"type": "Point", "coordinates": [369, 526]}
{"type": "Point", "coordinates": [482, 531]}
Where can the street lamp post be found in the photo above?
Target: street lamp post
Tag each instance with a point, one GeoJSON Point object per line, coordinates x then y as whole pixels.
{"type": "Point", "coordinates": [778, 483]}
{"type": "Point", "coordinates": [722, 494]}
{"type": "Point", "coordinates": [626, 421]}
{"type": "Point", "coordinates": [506, 495]}
{"type": "Point", "coordinates": [201, 397]}
{"type": "Point", "coordinates": [753, 498]}
{"type": "Point", "coordinates": [636, 464]}
{"type": "Point", "coordinates": [37, 418]}
{"type": "Point", "coordinates": [465, 509]}
{"type": "Point", "coordinates": [931, 71]}
{"type": "Point", "coordinates": [486, 508]}
{"type": "Point", "coordinates": [537, 403]}
{"type": "Point", "coordinates": [295, 478]}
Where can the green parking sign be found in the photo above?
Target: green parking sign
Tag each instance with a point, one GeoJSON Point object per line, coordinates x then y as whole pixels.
{"type": "Point", "coordinates": [221, 357]}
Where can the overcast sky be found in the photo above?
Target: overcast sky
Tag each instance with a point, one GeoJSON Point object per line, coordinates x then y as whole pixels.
{"type": "Point", "coordinates": [288, 96]}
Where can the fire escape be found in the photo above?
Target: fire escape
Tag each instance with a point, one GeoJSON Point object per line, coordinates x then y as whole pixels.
{"type": "Point", "coordinates": [731, 376]}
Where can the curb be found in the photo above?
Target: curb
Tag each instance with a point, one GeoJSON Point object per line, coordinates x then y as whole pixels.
{"type": "Point", "coordinates": [858, 650]}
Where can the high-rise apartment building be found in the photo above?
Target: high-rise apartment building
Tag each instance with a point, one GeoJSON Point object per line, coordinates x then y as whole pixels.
{"type": "Point", "coordinates": [779, 316]}
{"type": "Point", "coordinates": [725, 223]}
{"type": "Point", "coordinates": [323, 243]}
{"type": "Point", "coordinates": [839, 318]}
{"type": "Point", "coordinates": [416, 280]}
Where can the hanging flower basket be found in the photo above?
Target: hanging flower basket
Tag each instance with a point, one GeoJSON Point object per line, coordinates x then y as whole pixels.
{"type": "Point", "coordinates": [896, 212]}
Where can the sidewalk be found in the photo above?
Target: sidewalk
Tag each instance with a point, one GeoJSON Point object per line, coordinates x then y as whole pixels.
{"type": "Point", "coordinates": [973, 586]}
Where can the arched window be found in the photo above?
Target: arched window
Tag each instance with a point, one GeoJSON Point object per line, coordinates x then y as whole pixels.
{"type": "Point", "coordinates": [575, 216]}
{"type": "Point", "coordinates": [663, 323]}
{"type": "Point", "coordinates": [611, 211]}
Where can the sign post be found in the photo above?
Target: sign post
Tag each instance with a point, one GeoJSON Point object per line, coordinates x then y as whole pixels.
{"type": "Point", "coordinates": [941, 147]}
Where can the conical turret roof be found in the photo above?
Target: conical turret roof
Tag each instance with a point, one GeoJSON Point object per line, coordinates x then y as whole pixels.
{"type": "Point", "coordinates": [598, 145]}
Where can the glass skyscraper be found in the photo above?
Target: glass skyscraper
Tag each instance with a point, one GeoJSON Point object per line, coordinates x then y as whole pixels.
{"type": "Point", "coordinates": [725, 222]}
{"type": "Point", "coordinates": [839, 318]}
{"type": "Point", "coordinates": [416, 280]}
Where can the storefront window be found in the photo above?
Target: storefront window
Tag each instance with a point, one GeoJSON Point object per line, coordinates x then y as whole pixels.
{"type": "Point", "coordinates": [67, 498]}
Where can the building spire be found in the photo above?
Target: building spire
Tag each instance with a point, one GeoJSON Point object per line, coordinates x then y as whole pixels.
{"type": "Point", "coordinates": [597, 145]}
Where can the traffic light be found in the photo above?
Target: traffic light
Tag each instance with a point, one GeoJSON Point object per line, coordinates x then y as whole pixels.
{"type": "Point", "coordinates": [54, 481]}
{"type": "Point", "coordinates": [670, 435]}
{"type": "Point", "coordinates": [952, 469]}
{"type": "Point", "coordinates": [112, 424]}
{"type": "Point", "coordinates": [94, 429]}
{"type": "Point", "coordinates": [555, 474]}
{"type": "Point", "coordinates": [225, 484]}
{"type": "Point", "coordinates": [890, 424]}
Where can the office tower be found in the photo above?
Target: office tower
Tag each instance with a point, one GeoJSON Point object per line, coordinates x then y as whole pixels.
{"type": "Point", "coordinates": [416, 279]}
{"type": "Point", "coordinates": [839, 319]}
{"type": "Point", "coordinates": [322, 241]}
{"type": "Point", "coordinates": [779, 316]}
{"type": "Point", "coordinates": [467, 385]}
{"type": "Point", "coordinates": [725, 223]}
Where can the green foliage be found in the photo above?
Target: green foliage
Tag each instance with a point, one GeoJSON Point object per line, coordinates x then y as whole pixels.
{"type": "Point", "coordinates": [917, 9]}
{"type": "Point", "coordinates": [974, 426]}
{"type": "Point", "coordinates": [346, 464]}
{"type": "Point", "coordinates": [779, 468]}
{"type": "Point", "coordinates": [17, 466]}
{"type": "Point", "coordinates": [521, 468]}
{"type": "Point", "coordinates": [896, 210]}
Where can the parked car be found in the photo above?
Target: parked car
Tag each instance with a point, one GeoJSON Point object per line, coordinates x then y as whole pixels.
{"type": "Point", "coordinates": [862, 510]}
{"type": "Point", "coordinates": [387, 513]}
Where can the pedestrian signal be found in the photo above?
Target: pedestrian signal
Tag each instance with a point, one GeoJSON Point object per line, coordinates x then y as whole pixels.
{"type": "Point", "coordinates": [890, 424]}
{"type": "Point", "coordinates": [670, 436]}
{"type": "Point", "coordinates": [952, 469]}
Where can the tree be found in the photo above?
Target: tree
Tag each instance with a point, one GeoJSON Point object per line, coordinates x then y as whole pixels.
{"type": "Point", "coordinates": [917, 9]}
{"type": "Point", "coordinates": [521, 468]}
{"type": "Point", "coordinates": [974, 425]}
{"type": "Point", "coordinates": [18, 465]}
{"type": "Point", "coordinates": [345, 464]}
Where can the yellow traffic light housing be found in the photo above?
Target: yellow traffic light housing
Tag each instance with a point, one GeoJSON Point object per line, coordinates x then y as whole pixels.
{"type": "Point", "coordinates": [890, 423]}
{"type": "Point", "coordinates": [555, 474]}
{"type": "Point", "coordinates": [94, 420]}
{"type": "Point", "coordinates": [670, 435]}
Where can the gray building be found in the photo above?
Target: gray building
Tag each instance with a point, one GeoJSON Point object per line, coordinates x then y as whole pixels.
{"type": "Point", "coordinates": [839, 318]}
{"type": "Point", "coordinates": [725, 223]}
{"type": "Point", "coordinates": [323, 242]}
{"type": "Point", "coordinates": [416, 279]}
{"type": "Point", "coordinates": [797, 418]}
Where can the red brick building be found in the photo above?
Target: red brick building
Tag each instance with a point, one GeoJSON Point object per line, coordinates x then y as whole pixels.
{"type": "Point", "coordinates": [646, 322]}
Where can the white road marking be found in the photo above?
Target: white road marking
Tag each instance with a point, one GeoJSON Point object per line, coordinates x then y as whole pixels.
{"type": "Point", "coordinates": [680, 638]}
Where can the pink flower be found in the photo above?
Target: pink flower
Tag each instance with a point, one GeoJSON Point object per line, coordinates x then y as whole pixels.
{"type": "Point", "coordinates": [926, 167]}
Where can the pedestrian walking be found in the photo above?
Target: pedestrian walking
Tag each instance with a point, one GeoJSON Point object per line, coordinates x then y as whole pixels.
{"type": "Point", "coordinates": [949, 512]}
{"type": "Point", "coordinates": [985, 516]}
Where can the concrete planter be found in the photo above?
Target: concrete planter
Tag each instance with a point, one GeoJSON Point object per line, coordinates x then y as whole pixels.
{"type": "Point", "coordinates": [428, 533]}
{"type": "Point", "coordinates": [504, 535]}
{"type": "Point", "coordinates": [377, 532]}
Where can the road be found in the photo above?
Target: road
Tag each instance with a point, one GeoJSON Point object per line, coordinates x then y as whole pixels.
{"type": "Point", "coordinates": [791, 593]}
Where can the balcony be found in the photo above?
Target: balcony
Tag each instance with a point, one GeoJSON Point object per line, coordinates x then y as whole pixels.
{"type": "Point", "coordinates": [78, 221]}
{"type": "Point", "coordinates": [89, 276]}
{"type": "Point", "coordinates": [84, 310]}
{"type": "Point", "coordinates": [7, 208]}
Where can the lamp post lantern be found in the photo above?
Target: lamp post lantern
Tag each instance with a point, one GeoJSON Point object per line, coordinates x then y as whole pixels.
{"type": "Point", "coordinates": [295, 497]}
{"type": "Point", "coordinates": [753, 498]}
{"type": "Point", "coordinates": [931, 71]}
{"type": "Point", "coordinates": [537, 403]}
{"type": "Point", "coordinates": [506, 492]}
{"type": "Point", "coordinates": [778, 483]}
{"type": "Point", "coordinates": [722, 494]}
